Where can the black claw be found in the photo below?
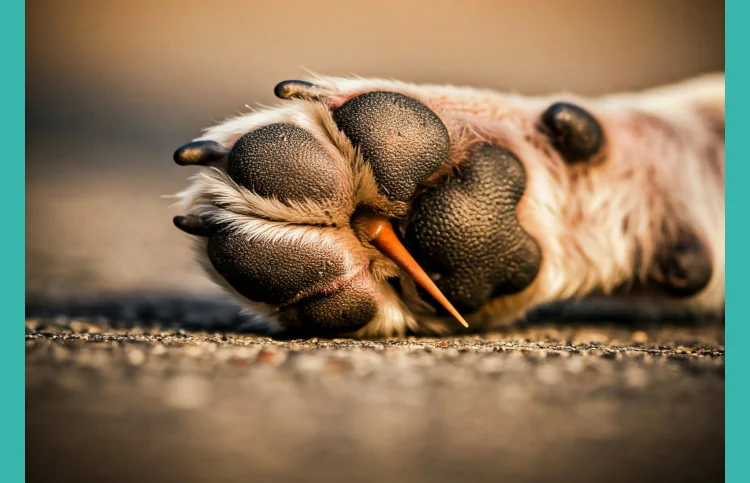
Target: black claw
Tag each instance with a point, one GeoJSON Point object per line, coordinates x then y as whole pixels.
{"type": "Point", "coordinates": [574, 132]}
{"type": "Point", "coordinates": [200, 153]}
{"type": "Point", "coordinates": [296, 89]}
{"type": "Point", "coordinates": [193, 225]}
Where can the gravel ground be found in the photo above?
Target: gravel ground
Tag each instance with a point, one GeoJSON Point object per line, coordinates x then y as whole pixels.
{"type": "Point", "coordinates": [127, 402]}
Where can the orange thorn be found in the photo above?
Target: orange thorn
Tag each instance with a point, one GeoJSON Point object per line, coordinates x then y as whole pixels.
{"type": "Point", "coordinates": [382, 236]}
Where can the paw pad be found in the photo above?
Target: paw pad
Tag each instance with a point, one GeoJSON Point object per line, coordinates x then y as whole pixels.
{"type": "Point", "coordinates": [309, 281]}
{"type": "Point", "coordinates": [573, 131]}
{"type": "Point", "coordinates": [466, 231]}
{"type": "Point", "coordinates": [402, 139]}
{"type": "Point", "coordinates": [286, 162]}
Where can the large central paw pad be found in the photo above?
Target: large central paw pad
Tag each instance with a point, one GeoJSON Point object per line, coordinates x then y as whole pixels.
{"type": "Point", "coordinates": [467, 232]}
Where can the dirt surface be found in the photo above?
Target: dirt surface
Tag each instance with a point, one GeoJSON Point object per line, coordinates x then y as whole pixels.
{"type": "Point", "coordinates": [124, 402]}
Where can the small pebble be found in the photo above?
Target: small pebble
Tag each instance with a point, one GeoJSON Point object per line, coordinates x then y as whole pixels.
{"type": "Point", "coordinates": [574, 365]}
{"type": "Point", "coordinates": [78, 326]}
{"type": "Point", "coordinates": [136, 357]}
{"type": "Point", "coordinates": [636, 378]}
{"type": "Point", "coordinates": [640, 337]}
{"type": "Point", "coordinates": [187, 392]}
{"type": "Point", "coordinates": [548, 374]}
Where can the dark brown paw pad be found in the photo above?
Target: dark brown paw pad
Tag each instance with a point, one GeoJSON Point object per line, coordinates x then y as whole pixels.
{"type": "Point", "coordinates": [467, 233]}
{"type": "Point", "coordinates": [285, 161]}
{"type": "Point", "coordinates": [573, 131]}
{"type": "Point", "coordinates": [402, 139]}
{"type": "Point", "coordinates": [309, 284]}
{"type": "Point", "coordinates": [682, 267]}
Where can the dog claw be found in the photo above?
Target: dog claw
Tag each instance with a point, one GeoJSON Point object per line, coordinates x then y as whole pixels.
{"type": "Point", "coordinates": [200, 153]}
{"type": "Point", "coordinates": [193, 225]}
{"type": "Point", "coordinates": [296, 89]}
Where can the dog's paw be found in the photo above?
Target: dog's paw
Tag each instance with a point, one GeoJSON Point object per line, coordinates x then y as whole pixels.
{"type": "Point", "coordinates": [373, 207]}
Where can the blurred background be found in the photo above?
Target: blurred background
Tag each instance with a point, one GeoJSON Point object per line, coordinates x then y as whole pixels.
{"type": "Point", "coordinates": [113, 88]}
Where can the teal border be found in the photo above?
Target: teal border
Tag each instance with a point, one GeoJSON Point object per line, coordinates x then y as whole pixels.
{"type": "Point", "coordinates": [12, 198]}
{"type": "Point", "coordinates": [737, 234]}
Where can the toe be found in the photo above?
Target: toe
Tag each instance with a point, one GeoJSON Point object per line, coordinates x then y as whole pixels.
{"type": "Point", "coordinates": [285, 161]}
{"type": "Point", "coordinates": [273, 270]}
{"type": "Point", "coordinates": [402, 139]}
{"type": "Point", "coordinates": [346, 310]}
{"type": "Point", "coordinates": [315, 286]}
